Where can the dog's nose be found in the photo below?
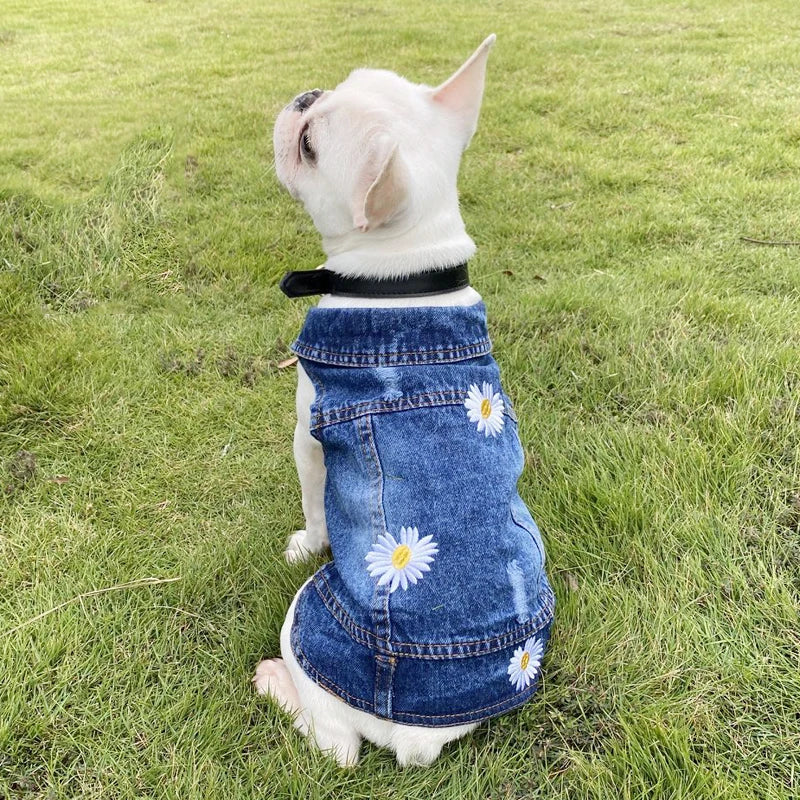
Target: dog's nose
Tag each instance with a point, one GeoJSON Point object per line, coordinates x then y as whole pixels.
{"type": "Point", "coordinates": [304, 101]}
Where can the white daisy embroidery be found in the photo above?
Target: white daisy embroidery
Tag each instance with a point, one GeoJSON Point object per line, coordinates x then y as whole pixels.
{"type": "Point", "coordinates": [401, 562]}
{"type": "Point", "coordinates": [485, 408]}
{"type": "Point", "coordinates": [525, 662]}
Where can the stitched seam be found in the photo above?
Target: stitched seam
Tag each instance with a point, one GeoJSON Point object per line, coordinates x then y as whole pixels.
{"type": "Point", "coordinates": [370, 442]}
{"type": "Point", "coordinates": [339, 613]}
{"type": "Point", "coordinates": [384, 685]}
{"type": "Point", "coordinates": [326, 682]}
{"type": "Point", "coordinates": [366, 404]}
{"type": "Point", "coordinates": [425, 400]}
{"type": "Point", "coordinates": [370, 434]}
{"type": "Point", "coordinates": [401, 649]}
{"type": "Point", "coordinates": [362, 445]}
{"type": "Point", "coordinates": [379, 607]}
{"type": "Point", "coordinates": [548, 604]}
{"type": "Point", "coordinates": [383, 682]}
{"type": "Point", "coordinates": [297, 346]}
{"type": "Point", "coordinates": [323, 680]}
{"type": "Point", "coordinates": [389, 359]}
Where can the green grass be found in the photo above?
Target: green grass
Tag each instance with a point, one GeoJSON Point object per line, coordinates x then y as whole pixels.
{"type": "Point", "coordinates": [624, 148]}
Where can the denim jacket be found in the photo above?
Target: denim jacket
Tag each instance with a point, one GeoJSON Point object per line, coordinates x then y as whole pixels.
{"type": "Point", "coordinates": [436, 609]}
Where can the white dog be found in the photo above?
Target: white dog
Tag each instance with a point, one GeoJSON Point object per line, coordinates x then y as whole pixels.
{"type": "Point", "coordinates": [375, 163]}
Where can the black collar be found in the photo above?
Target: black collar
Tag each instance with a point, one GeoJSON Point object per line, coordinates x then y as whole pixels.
{"type": "Point", "coordinates": [303, 283]}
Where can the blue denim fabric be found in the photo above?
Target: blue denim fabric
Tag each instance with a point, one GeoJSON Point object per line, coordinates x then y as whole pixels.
{"type": "Point", "coordinates": [452, 628]}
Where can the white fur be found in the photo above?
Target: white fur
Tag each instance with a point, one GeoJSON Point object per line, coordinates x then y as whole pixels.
{"type": "Point", "coordinates": [383, 209]}
{"type": "Point", "coordinates": [349, 128]}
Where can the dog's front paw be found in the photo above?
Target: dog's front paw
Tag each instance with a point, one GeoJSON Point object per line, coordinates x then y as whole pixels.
{"type": "Point", "coordinates": [302, 545]}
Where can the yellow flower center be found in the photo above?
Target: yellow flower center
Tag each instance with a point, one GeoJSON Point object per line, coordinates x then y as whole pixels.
{"type": "Point", "coordinates": [401, 556]}
{"type": "Point", "coordinates": [524, 661]}
{"type": "Point", "coordinates": [486, 408]}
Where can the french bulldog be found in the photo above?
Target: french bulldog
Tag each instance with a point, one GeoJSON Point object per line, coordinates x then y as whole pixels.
{"type": "Point", "coordinates": [405, 445]}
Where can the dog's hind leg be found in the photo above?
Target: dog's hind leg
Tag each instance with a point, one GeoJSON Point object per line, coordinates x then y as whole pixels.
{"type": "Point", "coordinates": [273, 679]}
{"type": "Point", "coordinates": [420, 747]}
{"type": "Point", "coordinates": [321, 716]}
{"type": "Point", "coordinates": [331, 735]}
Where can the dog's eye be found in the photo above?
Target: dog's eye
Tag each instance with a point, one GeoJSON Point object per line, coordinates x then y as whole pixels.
{"type": "Point", "coordinates": [306, 150]}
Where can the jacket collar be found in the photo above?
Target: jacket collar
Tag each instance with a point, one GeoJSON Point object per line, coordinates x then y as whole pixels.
{"type": "Point", "coordinates": [388, 337]}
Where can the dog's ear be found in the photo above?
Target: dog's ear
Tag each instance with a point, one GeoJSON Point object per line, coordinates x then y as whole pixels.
{"type": "Point", "coordinates": [463, 91]}
{"type": "Point", "coordinates": [381, 187]}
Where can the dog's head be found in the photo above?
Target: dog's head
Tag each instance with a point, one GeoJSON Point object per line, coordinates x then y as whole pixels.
{"type": "Point", "coordinates": [378, 151]}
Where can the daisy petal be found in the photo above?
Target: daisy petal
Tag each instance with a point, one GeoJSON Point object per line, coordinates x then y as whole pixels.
{"type": "Point", "coordinates": [401, 562]}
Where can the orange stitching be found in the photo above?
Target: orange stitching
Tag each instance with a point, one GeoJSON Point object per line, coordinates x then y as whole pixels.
{"type": "Point", "coordinates": [546, 603]}
{"type": "Point", "coordinates": [347, 413]}
{"type": "Point", "coordinates": [495, 644]}
{"type": "Point", "coordinates": [454, 393]}
{"type": "Point", "coordinates": [297, 346]}
{"type": "Point", "coordinates": [320, 677]}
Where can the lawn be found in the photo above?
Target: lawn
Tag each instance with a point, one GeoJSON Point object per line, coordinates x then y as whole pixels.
{"type": "Point", "coordinates": [147, 486]}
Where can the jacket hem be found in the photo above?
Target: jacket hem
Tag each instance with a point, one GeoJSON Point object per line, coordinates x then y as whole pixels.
{"type": "Point", "coordinates": [410, 718]}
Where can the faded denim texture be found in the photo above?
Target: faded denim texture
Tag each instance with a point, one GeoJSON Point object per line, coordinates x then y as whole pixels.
{"type": "Point", "coordinates": [402, 453]}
